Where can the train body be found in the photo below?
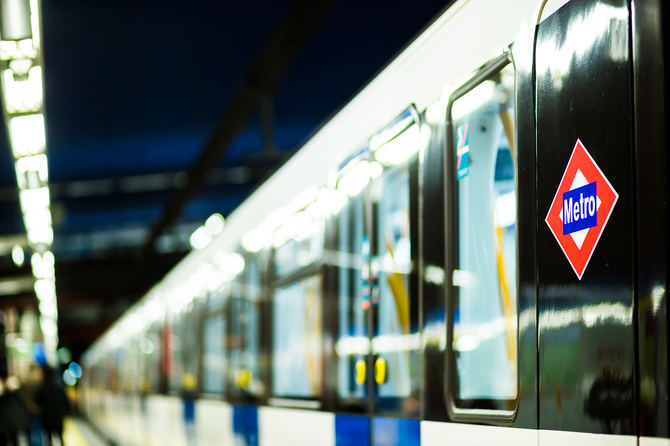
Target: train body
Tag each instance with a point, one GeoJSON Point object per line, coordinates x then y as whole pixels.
{"type": "Point", "coordinates": [473, 251]}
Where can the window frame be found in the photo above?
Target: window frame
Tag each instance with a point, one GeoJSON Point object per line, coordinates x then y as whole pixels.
{"type": "Point", "coordinates": [456, 413]}
{"type": "Point", "coordinates": [234, 394]}
{"type": "Point", "coordinates": [315, 268]}
{"type": "Point", "coordinates": [393, 405]}
{"type": "Point", "coordinates": [353, 404]}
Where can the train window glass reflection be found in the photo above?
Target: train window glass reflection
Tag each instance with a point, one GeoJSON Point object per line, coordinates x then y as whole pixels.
{"type": "Point", "coordinates": [214, 355]}
{"type": "Point", "coordinates": [353, 303]}
{"type": "Point", "coordinates": [395, 340]}
{"type": "Point", "coordinates": [148, 346]}
{"type": "Point", "coordinates": [299, 251]}
{"type": "Point", "coordinates": [174, 348]}
{"type": "Point", "coordinates": [190, 341]}
{"type": "Point", "coordinates": [484, 275]}
{"type": "Point", "coordinates": [244, 340]}
{"type": "Point", "coordinates": [296, 338]}
{"type": "Point", "coordinates": [184, 346]}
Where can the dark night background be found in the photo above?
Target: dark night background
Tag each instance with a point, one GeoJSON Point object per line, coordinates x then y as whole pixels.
{"type": "Point", "coordinates": [133, 90]}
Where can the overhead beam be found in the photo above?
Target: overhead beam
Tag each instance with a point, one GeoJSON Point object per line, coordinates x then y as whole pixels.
{"type": "Point", "coordinates": [302, 20]}
{"type": "Point", "coordinates": [138, 184]}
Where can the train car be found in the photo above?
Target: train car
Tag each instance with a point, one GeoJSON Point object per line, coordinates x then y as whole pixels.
{"type": "Point", "coordinates": [473, 251]}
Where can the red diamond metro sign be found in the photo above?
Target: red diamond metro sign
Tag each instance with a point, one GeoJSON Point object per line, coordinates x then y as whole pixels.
{"type": "Point", "coordinates": [581, 208]}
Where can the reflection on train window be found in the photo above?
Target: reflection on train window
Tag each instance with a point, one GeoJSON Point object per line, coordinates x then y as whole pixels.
{"type": "Point", "coordinates": [353, 302]}
{"type": "Point", "coordinates": [173, 346]}
{"type": "Point", "coordinates": [484, 275]}
{"type": "Point", "coordinates": [395, 340]}
{"type": "Point", "coordinates": [185, 348]}
{"type": "Point", "coordinates": [214, 355]}
{"type": "Point", "coordinates": [148, 346]}
{"type": "Point", "coordinates": [244, 338]}
{"type": "Point", "coordinates": [296, 253]}
{"type": "Point", "coordinates": [296, 338]}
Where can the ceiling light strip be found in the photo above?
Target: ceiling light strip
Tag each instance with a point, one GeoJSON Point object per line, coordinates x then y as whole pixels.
{"type": "Point", "coordinates": [23, 98]}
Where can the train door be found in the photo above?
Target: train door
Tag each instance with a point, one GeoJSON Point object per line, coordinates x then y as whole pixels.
{"type": "Point", "coordinates": [586, 225]}
{"type": "Point", "coordinates": [480, 310]}
{"type": "Point", "coordinates": [376, 249]}
{"type": "Point", "coordinates": [393, 197]}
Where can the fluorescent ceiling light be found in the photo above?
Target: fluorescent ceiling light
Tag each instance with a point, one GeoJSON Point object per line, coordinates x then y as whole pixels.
{"type": "Point", "coordinates": [27, 135]}
{"type": "Point", "coordinates": [43, 265]}
{"type": "Point", "coordinates": [40, 235]}
{"type": "Point", "coordinates": [34, 199]}
{"type": "Point", "coordinates": [23, 49]}
{"type": "Point", "coordinates": [23, 95]}
{"type": "Point", "coordinates": [49, 308]}
{"type": "Point", "coordinates": [200, 238]}
{"type": "Point", "coordinates": [49, 327]}
{"type": "Point", "coordinates": [45, 289]}
{"type": "Point", "coordinates": [215, 223]}
{"type": "Point", "coordinates": [18, 256]}
{"type": "Point", "coordinates": [32, 172]}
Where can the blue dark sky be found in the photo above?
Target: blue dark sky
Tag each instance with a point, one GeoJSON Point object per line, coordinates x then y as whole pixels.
{"type": "Point", "coordinates": [136, 87]}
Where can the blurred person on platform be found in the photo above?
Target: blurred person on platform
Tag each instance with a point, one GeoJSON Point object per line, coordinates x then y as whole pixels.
{"type": "Point", "coordinates": [52, 401]}
{"type": "Point", "coordinates": [28, 393]}
{"type": "Point", "coordinates": [13, 415]}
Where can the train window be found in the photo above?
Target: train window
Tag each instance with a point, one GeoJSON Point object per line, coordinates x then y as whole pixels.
{"type": "Point", "coordinates": [484, 346]}
{"type": "Point", "coordinates": [299, 251]}
{"type": "Point", "coordinates": [185, 345]}
{"type": "Point", "coordinates": [395, 341]}
{"type": "Point", "coordinates": [216, 300]}
{"type": "Point", "coordinates": [244, 338]}
{"type": "Point", "coordinates": [296, 338]}
{"type": "Point", "coordinates": [214, 355]}
{"type": "Point", "coordinates": [353, 304]}
{"type": "Point", "coordinates": [149, 349]}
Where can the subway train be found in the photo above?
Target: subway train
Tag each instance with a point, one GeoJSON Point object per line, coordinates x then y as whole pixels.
{"type": "Point", "coordinates": [472, 251]}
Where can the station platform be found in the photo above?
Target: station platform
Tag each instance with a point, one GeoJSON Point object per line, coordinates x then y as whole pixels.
{"type": "Point", "coordinates": [77, 432]}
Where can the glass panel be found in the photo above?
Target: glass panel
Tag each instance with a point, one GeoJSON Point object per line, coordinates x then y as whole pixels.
{"type": "Point", "coordinates": [214, 355]}
{"type": "Point", "coordinates": [396, 339]}
{"type": "Point", "coordinates": [295, 254]}
{"type": "Point", "coordinates": [244, 341]}
{"type": "Point", "coordinates": [190, 335]}
{"type": "Point", "coordinates": [185, 348]}
{"type": "Point", "coordinates": [149, 346]}
{"type": "Point", "coordinates": [353, 343]}
{"type": "Point", "coordinates": [216, 300]}
{"type": "Point", "coordinates": [173, 345]}
{"type": "Point", "coordinates": [484, 337]}
{"type": "Point", "coordinates": [296, 337]}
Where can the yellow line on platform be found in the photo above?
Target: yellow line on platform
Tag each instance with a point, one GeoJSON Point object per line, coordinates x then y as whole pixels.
{"type": "Point", "coordinates": [72, 436]}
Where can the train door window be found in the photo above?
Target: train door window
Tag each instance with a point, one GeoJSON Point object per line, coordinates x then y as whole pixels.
{"type": "Point", "coordinates": [190, 341]}
{"type": "Point", "coordinates": [184, 345]}
{"type": "Point", "coordinates": [148, 347]}
{"type": "Point", "coordinates": [214, 337]}
{"type": "Point", "coordinates": [244, 337]}
{"type": "Point", "coordinates": [395, 340]}
{"type": "Point", "coordinates": [214, 355]}
{"type": "Point", "coordinates": [173, 347]}
{"type": "Point", "coordinates": [483, 245]}
{"type": "Point", "coordinates": [296, 339]}
{"type": "Point", "coordinates": [353, 342]}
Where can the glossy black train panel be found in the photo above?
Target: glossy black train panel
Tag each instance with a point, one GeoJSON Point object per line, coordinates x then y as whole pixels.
{"type": "Point", "coordinates": [585, 223]}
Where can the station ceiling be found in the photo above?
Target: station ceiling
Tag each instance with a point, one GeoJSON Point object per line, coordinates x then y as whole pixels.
{"type": "Point", "coordinates": [133, 90]}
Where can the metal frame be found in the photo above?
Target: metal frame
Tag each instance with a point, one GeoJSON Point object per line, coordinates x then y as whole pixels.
{"type": "Point", "coordinates": [456, 413]}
